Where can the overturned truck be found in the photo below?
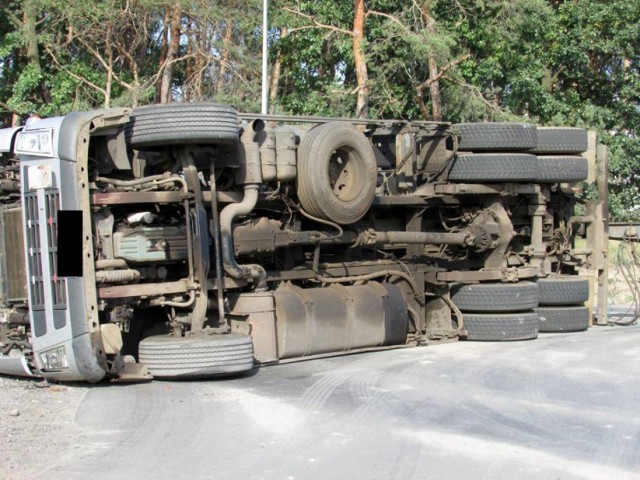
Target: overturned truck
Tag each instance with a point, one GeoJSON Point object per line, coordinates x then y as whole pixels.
{"type": "Point", "coordinates": [187, 240]}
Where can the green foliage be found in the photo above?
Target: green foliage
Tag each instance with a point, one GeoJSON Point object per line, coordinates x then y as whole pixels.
{"type": "Point", "coordinates": [553, 62]}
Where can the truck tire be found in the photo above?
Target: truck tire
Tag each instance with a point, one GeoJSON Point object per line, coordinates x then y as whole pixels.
{"type": "Point", "coordinates": [496, 137]}
{"type": "Point", "coordinates": [567, 140]}
{"type": "Point", "coordinates": [196, 357]}
{"type": "Point", "coordinates": [182, 124]}
{"type": "Point", "coordinates": [494, 167]}
{"type": "Point", "coordinates": [563, 319]}
{"type": "Point", "coordinates": [557, 169]}
{"type": "Point", "coordinates": [495, 297]}
{"type": "Point", "coordinates": [563, 290]}
{"type": "Point", "coordinates": [494, 327]}
{"type": "Point", "coordinates": [336, 173]}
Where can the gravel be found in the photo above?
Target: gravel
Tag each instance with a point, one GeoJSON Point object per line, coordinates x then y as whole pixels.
{"type": "Point", "coordinates": [36, 424]}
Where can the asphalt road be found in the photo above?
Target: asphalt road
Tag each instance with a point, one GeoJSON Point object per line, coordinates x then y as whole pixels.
{"type": "Point", "coordinates": [563, 406]}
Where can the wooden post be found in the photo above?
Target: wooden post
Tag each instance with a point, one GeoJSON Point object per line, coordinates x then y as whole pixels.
{"type": "Point", "coordinates": [602, 225]}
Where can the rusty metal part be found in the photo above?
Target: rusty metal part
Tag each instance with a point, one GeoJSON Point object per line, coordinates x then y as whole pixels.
{"type": "Point", "coordinates": [420, 238]}
{"type": "Point", "coordinates": [228, 214]}
{"type": "Point", "coordinates": [506, 189]}
{"type": "Point", "coordinates": [217, 243]}
{"type": "Point", "coordinates": [117, 276]}
{"type": "Point", "coordinates": [495, 213]}
{"type": "Point", "coordinates": [10, 186]}
{"type": "Point", "coordinates": [511, 274]}
{"type": "Point", "coordinates": [257, 310]}
{"type": "Point", "coordinates": [439, 323]}
{"type": "Point", "coordinates": [144, 290]}
{"type": "Point", "coordinates": [116, 198]}
{"type": "Point", "coordinates": [197, 226]}
{"type": "Point", "coordinates": [111, 263]}
{"type": "Point", "coordinates": [538, 248]}
{"type": "Point", "coordinates": [14, 317]}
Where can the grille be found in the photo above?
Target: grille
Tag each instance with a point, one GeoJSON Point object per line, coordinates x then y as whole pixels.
{"type": "Point", "coordinates": [36, 252]}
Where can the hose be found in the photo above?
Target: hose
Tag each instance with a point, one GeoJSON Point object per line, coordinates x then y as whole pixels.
{"type": "Point", "coordinates": [227, 215]}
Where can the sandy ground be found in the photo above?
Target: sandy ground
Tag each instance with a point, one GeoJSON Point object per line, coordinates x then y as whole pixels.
{"type": "Point", "coordinates": [36, 424]}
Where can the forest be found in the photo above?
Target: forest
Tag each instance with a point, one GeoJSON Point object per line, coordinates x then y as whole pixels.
{"type": "Point", "coordinates": [551, 62]}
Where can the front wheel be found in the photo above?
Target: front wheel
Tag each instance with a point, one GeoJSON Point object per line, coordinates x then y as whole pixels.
{"type": "Point", "coordinates": [199, 356]}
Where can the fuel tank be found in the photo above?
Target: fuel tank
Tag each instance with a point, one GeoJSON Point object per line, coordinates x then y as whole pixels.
{"type": "Point", "coordinates": [313, 321]}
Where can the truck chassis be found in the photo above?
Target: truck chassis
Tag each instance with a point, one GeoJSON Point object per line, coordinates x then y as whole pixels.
{"type": "Point", "coordinates": [187, 240]}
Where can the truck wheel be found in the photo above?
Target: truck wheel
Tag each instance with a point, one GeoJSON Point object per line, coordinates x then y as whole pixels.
{"type": "Point", "coordinates": [563, 290]}
{"type": "Point", "coordinates": [566, 140]}
{"type": "Point", "coordinates": [336, 173]}
{"type": "Point", "coordinates": [496, 137]}
{"type": "Point", "coordinates": [494, 167]}
{"type": "Point", "coordinates": [562, 319]}
{"type": "Point", "coordinates": [182, 124]}
{"type": "Point", "coordinates": [495, 297]}
{"type": "Point", "coordinates": [494, 327]}
{"type": "Point", "coordinates": [196, 357]}
{"type": "Point", "coordinates": [554, 169]}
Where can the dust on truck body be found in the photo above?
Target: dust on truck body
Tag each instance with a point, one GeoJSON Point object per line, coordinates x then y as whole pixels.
{"type": "Point", "coordinates": [189, 240]}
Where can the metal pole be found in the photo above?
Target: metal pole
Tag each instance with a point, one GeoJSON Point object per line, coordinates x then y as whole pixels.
{"type": "Point", "coordinates": [264, 56]}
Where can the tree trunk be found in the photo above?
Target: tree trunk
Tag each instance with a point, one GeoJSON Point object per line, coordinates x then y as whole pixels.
{"type": "Point", "coordinates": [362, 104]}
{"type": "Point", "coordinates": [30, 33]}
{"type": "Point", "coordinates": [109, 80]}
{"type": "Point", "coordinates": [434, 87]}
{"type": "Point", "coordinates": [224, 59]}
{"type": "Point", "coordinates": [189, 67]}
{"type": "Point", "coordinates": [172, 52]}
{"type": "Point", "coordinates": [275, 74]}
{"type": "Point", "coordinates": [434, 90]}
{"type": "Point", "coordinates": [163, 49]}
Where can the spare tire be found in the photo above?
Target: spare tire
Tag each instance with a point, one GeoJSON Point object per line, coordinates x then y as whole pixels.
{"type": "Point", "coordinates": [494, 137]}
{"type": "Point", "coordinates": [182, 124]}
{"type": "Point", "coordinates": [336, 173]}
{"type": "Point", "coordinates": [494, 167]}
{"type": "Point", "coordinates": [197, 356]}
{"type": "Point", "coordinates": [568, 140]}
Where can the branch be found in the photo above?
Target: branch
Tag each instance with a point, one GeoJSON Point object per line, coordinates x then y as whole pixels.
{"type": "Point", "coordinates": [475, 90]}
{"type": "Point", "coordinates": [390, 17]}
{"type": "Point", "coordinates": [7, 107]}
{"type": "Point", "coordinates": [427, 83]}
{"type": "Point", "coordinates": [154, 78]}
{"type": "Point", "coordinates": [316, 23]}
{"type": "Point", "coordinates": [14, 19]}
{"type": "Point", "coordinates": [74, 75]}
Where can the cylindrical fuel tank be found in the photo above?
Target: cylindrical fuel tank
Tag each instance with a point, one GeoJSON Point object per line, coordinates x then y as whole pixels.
{"type": "Point", "coordinates": [311, 321]}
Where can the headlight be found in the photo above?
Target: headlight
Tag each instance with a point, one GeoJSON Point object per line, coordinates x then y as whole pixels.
{"type": "Point", "coordinates": [35, 142]}
{"type": "Point", "coordinates": [54, 359]}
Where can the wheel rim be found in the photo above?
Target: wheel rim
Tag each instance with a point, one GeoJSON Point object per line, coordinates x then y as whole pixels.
{"type": "Point", "coordinates": [344, 173]}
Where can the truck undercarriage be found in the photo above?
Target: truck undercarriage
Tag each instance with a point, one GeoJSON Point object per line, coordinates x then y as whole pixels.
{"type": "Point", "coordinates": [185, 240]}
